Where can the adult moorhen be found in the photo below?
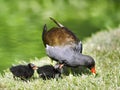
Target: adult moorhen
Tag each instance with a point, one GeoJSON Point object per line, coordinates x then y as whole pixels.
{"type": "Point", "coordinates": [69, 57]}
{"type": "Point", "coordinates": [63, 46]}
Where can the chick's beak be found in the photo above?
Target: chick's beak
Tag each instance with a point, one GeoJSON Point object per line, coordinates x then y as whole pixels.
{"type": "Point", "coordinates": [93, 70]}
{"type": "Point", "coordinates": [35, 68]}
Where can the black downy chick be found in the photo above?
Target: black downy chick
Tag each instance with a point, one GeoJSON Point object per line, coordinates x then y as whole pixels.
{"type": "Point", "coordinates": [49, 71]}
{"type": "Point", "coordinates": [23, 71]}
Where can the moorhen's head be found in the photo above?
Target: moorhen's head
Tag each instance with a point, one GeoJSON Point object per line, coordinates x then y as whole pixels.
{"type": "Point", "coordinates": [89, 63]}
{"type": "Point", "coordinates": [70, 57]}
{"type": "Point", "coordinates": [32, 66]}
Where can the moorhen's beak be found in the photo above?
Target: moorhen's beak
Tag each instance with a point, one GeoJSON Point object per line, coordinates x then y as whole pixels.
{"type": "Point", "coordinates": [93, 70]}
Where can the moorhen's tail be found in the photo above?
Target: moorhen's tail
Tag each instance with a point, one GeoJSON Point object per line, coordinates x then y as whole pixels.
{"type": "Point", "coordinates": [58, 24]}
{"type": "Point", "coordinates": [43, 33]}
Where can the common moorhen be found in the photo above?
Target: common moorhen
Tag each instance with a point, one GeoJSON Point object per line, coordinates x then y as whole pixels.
{"type": "Point", "coordinates": [69, 57]}
{"type": "Point", "coordinates": [23, 71]}
{"type": "Point", "coordinates": [63, 46]}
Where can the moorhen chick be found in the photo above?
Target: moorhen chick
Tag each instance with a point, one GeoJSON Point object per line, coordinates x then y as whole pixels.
{"type": "Point", "coordinates": [69, 57]}
{"type": "Point", "coordinates": [49, 71]}
{"type": "Point", "coordinates": [23, 71]}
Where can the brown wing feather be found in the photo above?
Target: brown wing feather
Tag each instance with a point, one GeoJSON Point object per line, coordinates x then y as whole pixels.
{"type": "Point", "coordinates": [59, 36]}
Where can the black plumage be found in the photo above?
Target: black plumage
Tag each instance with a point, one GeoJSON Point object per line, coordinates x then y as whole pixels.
{"type": "Point", "coordinates": [23, 71]}
{"type": "Point", "coordinates": [49, 71]}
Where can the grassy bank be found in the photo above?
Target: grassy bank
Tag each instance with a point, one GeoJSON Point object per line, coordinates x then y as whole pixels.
{"type": "Point", "coordinates": [103, 46]}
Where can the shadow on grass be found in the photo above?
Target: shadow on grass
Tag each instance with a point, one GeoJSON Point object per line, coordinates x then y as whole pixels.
{"type": "Point", "coordinates": [75, 71]}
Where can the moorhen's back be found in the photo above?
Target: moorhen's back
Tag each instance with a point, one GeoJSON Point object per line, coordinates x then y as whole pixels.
{"type": "Point", "coordinates": [58, 36]}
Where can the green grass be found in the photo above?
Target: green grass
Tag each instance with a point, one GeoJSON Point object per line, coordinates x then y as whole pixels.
{"type": "Point", "coordinates": [103, 46]}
